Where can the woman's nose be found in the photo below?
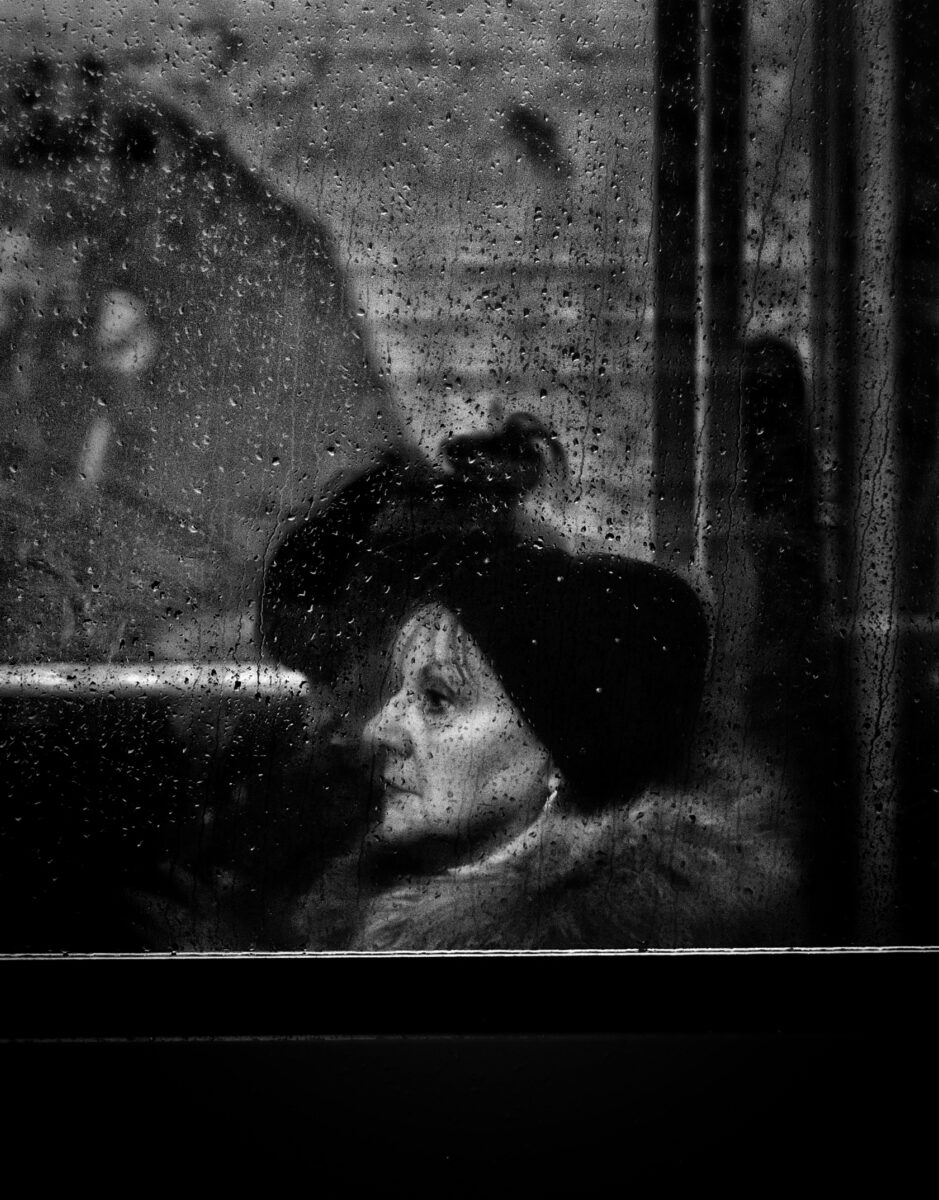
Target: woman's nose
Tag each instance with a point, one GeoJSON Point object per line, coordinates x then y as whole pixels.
{"type": "Point", "coordinates": [387, 728]}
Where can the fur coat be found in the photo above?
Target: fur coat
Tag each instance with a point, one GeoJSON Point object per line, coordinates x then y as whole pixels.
{"type": "Point", "coordinates": [715, 866]}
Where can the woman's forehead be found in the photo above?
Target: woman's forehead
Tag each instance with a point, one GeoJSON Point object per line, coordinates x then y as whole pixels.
{"type": "Point", "coordinates": [434, 634]}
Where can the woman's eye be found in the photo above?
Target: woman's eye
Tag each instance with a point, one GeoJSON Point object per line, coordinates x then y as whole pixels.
{"type": "Point", "coordinates": [436, 701]}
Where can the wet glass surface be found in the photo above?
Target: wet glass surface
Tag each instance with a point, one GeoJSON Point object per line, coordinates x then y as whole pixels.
{"type": "Point", "coordinates": [300, 306]}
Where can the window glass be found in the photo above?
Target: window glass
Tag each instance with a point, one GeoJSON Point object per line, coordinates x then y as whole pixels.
{"type": "Point", "coordinates": [327, 326]}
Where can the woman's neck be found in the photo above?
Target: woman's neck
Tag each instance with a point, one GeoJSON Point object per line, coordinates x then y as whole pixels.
{"type": "Point", "coordinates": [436, 856]}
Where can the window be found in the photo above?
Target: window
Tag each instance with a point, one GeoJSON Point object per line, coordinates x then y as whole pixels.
{"type": "Point", "coordinates": [628, 280]}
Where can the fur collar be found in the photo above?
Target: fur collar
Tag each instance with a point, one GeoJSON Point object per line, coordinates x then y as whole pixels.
{"type": "Point", "coordinates": [712, 867]}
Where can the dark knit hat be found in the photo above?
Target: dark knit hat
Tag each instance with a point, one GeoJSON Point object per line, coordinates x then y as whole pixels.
{"type": "Point", "coordinates": [334, 579]}
{"type": "Point", "coordinates": [604, 656]}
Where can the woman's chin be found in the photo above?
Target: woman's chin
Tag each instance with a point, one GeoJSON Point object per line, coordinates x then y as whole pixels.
{"type": "Point", "coordinates": [401, 820]}
{"type": "Point", "coordinates": [410, 836]}
{"type": "Point", "coordinates": [395, 830]}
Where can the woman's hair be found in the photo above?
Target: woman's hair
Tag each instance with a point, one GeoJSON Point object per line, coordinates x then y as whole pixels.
{"type": "Point", "coordinates": [458, 643]}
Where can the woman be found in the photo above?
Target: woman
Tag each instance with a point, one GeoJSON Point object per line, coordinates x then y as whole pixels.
{"type": "Point", "coordinates": [532, 750]}
{"type": "Point", "coordinates": [284, 802]}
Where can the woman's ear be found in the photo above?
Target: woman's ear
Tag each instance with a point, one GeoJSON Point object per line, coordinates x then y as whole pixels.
{"type": "Point", "coordinates": [555, 781]}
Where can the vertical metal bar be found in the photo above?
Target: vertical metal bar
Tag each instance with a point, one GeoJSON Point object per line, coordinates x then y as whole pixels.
{"type": "Point", "coordinates": [724, 52]}
{"type": "Point", "coordinates": [873, 578]}
{"type": "Point", "coordinates": [855, 332]}
{"type": "Point", "coordinates": [917, 191]}
{"type": "Point", "coordinates": [918, 387]}
{"type": "Point", "coordinates": [676, 213]}
{"type": "Point", "coordinates": [833, 323]}
{"type": "Point", "coordinates": [833, 314]}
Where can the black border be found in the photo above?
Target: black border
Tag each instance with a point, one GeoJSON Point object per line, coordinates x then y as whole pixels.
{"type": "Point", "coordinates": [502, 1075]}
{"type": "Point", "coordinates": [198, 997]}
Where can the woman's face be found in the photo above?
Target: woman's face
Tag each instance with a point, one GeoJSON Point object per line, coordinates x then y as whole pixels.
{"type": "Point", "coordinates": [457, 760]}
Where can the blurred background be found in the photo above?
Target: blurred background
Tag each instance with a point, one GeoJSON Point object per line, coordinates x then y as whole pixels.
{"type": "Point", "coordinates": [247, 246]}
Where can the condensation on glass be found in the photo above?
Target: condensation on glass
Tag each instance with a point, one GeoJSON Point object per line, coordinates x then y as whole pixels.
{"type": "Point", "coordinates": [572, 271]}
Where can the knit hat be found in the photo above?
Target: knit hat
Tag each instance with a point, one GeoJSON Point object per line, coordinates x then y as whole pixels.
{"type": "Point", "coordinates": [336, 580]}
{"type": "Point", "coordinates": [604, 656]}
{"type": "Point", "coordinates": [333, 581]}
